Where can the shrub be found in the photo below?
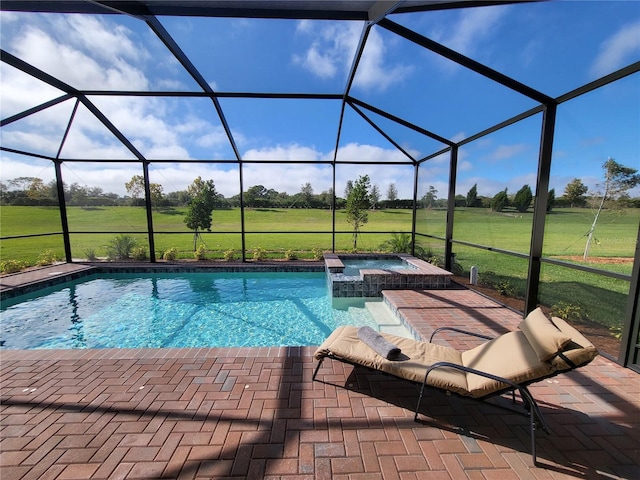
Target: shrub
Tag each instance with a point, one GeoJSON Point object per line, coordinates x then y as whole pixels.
{"type": "Point", "coordinates": [120, 247]}
{"type": "Point", "coordinates": [398, 243]}
{"type": "Point", "coordinates": [402, 243]}
{"type": "Point", "coordinates": [487, 279]}
{"type": "Point", "coordinates": [12, 266]}
{"type": "Point", "coordinates": [616, 331]}
{"type": "Point", "coordinates": [318, 254]}
{"type": "Point", "coordinates": [47, 258]}
{"type": "Point", "coordinates": [200, 253]}
{"type": "Point", "coordinates": [90, 253]}
{"type": "Point", "coordinates": [437, 260]}
{"type": "Point", "coordinates": [170, 254]}
{"type": "Point", "coordinates": [568, 311]}
{"type": "Point", "coordinates": [259, 254]}
{"type": "Point", "coordinates": [501, 285]}
{"type": "Point", "coordinates": [290, 255]}
{"type": "Point", "coordinates": [229, 254]}
{"type": "Point", "coordinates": [139, 253]}
{"type": "Point", "coordinates": [505, 287]}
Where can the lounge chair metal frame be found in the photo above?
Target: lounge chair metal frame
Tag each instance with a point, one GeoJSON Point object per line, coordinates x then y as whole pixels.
{"type": "Point", "coordinates": [531, 410]}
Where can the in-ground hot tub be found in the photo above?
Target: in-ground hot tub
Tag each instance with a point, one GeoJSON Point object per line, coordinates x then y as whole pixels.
{"type": "Point", "coordinates": [367, 275]}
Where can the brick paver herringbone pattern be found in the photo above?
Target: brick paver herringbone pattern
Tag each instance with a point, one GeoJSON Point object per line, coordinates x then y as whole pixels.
{"type": "Point", "coordinates": [256, 413]}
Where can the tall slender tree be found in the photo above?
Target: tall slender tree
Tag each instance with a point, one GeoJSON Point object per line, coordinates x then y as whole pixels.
{"type": "Point", "coordinates": [551, 200]}
{"type": "Point", "coordinates": [522, 199]}
{"type": "Point", "coordinates": [617, 180]}
{"type": "Point", "coordinates": [500, 201]}
{"type": "Point", "coordinates": [348, 188]}
{"type": "Point", "coordinates": [472, 196]}
{"type": "Point", "coordinates": [306, 192]}
{"type": "Point", "coordinates": [392, 192]}
{"type": "Point", "coordinates": [358, 203]}
{"type": "Point", "coordinates": [374, 196]}
{"type": "Point", "coordinates": [429, 199]}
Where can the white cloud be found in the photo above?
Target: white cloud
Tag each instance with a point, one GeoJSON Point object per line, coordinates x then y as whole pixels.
{"type": "Point", "coordinates": [82, 143]}
{"type": "Point", "coordinates": [322, 65]}
{"type": "Point", "coordinates": [505, 152]}
{"type": "Point", "coordinates": [104, 40]}
{"type": "Point", "coordinates": [73, 66]}
{"type": "Point", "coordinates": [169, 84]}
{"type": "Point", "coordinates": [177, 177]}
{"type": "Point", "coordinates": [615, 51]}
{"type": "Point", "coordinates": [216, 137]}
{"type": "Point", "coordinates": [465, 166]}
{"type": "Point", "coordinates": [288, 178]}
{"type": "Point", "coordinates": [373, 72]}
{"type": "Point", "coordinates": [364, 153]}
{"type": "Point", "coordinates": [20, 91]}
{"type": "Point", "coordinates": [467, 33]}
{"type": "Point", "coordinates": [333, 49]}
{"type": "Point", "coordinates": [280, 152]}
{"type": "Point", "coordinates": [474, 24]}
{"type": "Point", "coordinates": [40, 142]}
{"type": "Point", "coordinates": [97, 54]}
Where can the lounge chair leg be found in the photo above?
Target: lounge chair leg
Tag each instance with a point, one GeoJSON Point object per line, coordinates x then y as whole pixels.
{"type": "Point", "coordinates": [535, 416]}
{"type": "Point", "coordinates": [424, 382]}
{"type": "Point", "coordinates": [533, 438]}
{"type": "Point", "coordinates": [315, 372]}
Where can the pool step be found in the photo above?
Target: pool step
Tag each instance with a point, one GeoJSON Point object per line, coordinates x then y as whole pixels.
{"type": "Point", "coordinates": [359, 315]}
{"type": "Point", "coordinates": [387, 321]}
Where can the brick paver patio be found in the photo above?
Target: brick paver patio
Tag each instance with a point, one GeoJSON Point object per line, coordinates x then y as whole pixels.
{"type": "Point", "coordinates": [255, 413]}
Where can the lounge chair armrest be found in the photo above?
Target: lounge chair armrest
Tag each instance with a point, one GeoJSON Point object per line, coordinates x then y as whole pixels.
{"type": "Point", "coordinates": [453, 329]}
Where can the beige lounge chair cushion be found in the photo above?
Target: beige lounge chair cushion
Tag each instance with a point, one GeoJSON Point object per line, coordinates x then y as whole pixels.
{"type": "Point", "coordinates": [579, 350]}
{"type": "Point", "coordinates": [416, 356]}
{"type": "Point", "coordinates": [509, 356]}
{"type": "Point", "coordinates": [545, 338]}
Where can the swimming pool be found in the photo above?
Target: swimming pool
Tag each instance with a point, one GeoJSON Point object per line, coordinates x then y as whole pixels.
{"type": "Point", "coordinates": [156, 310]}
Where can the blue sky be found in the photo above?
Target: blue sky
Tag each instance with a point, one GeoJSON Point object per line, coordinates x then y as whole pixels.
{"type": "Point", "coordinates": [551, 46]}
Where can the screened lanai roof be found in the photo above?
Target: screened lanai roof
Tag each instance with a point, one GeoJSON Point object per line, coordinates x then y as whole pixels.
{"type": "Point", "coordinates": [359, 82]}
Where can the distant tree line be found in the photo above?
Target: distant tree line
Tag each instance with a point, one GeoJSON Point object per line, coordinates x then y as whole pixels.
{"type": "Point", "coordinates": [612, 193]}
{"type": "Point", "coordinates": [34, 191]}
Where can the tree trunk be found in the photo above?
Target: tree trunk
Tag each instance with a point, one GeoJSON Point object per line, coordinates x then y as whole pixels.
{"type": "Point", "coordinates": [585, 255]}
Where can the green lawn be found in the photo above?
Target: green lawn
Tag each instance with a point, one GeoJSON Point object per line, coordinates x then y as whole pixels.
{"type": "Point", "coordinates": [564, 237]}
{"type": "Point", "coordinates": [564, 232]}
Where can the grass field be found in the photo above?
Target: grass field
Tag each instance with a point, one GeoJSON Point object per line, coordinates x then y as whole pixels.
{"type": "Point", "coordinates": [604, 298]}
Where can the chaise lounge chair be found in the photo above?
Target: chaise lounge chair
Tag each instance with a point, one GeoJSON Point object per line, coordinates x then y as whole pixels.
{"type": "Point", "coordinates": [539, 349]}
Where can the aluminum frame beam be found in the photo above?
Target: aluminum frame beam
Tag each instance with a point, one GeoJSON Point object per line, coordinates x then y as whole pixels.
{"type": "Point", "coordinates": [366, 10]}
{"type": "Point", "coordinates": [465, 61]}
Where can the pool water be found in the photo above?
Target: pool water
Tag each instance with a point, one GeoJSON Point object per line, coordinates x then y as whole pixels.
{"type": "Point", "coordinates": [169, 310]}
{"type": "Point", "coordinates": [352, 267]}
